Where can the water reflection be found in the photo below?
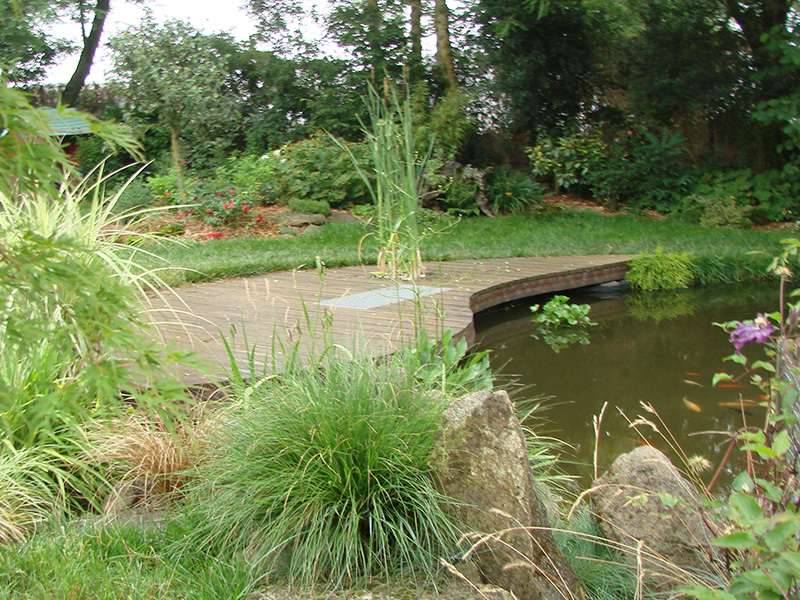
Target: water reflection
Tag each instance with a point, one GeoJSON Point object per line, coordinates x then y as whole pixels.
{"type": "Point", "coordinates": [660, 349]}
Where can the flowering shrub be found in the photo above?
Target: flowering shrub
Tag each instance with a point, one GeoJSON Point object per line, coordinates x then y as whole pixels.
{"type": "Point", "coordinates": [164, 188]}
{"type": "Point", "coordinates": [249, 175]}
{"type": "Point", "coordinates": [218, 204]}
{"type": "Point", "coordinates": [762, 540]}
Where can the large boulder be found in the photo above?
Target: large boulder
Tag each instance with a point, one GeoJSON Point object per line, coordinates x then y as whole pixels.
{"type": "Point", "coordinates": [482, 462]}
{"type": "Point", "coordinates": [644, 499]}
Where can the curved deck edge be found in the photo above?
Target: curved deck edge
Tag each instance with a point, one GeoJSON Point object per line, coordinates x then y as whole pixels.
{"type": "Point", "coordinates": [528, 287]}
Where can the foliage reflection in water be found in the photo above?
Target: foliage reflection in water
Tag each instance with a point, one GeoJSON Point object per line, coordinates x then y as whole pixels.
{"type": "Point", "coordinates": [659, 348]}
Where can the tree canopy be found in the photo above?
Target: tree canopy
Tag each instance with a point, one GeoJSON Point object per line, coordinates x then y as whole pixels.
{"type": "Point", "coordinates": [721, 76]}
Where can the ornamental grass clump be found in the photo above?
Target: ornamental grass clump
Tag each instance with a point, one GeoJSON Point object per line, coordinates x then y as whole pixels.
{"type": "Point", "coordinates": [322, 475]}
{"type": "Point", "coordinates": [26, 494]}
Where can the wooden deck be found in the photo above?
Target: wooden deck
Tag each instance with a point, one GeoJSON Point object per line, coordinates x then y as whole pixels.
{"type": "Point", "coordinates": [348, 306]}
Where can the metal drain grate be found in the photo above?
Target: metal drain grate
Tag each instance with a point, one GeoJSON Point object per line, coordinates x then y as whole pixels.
{"type": "Point", "coordinates": [382, 297]}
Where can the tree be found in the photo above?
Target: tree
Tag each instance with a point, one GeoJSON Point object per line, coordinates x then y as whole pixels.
{"type": "Point", "coordinates": [769, 29]}
{"type": "Point", "coordinates": [539, 63]}
{"type": "Point", "coordinates": [279, 25]}
{"type": "Point", "coordinates": [90, 44]}
{"type": "Point", "coordinates": [26, 48]}
{"type": "Point", "coordinates": [374, 31]}
{"type": "Point", "coordinates": [176, 75]}
{"type": "Point", "coordinates": [444, 53]}
{"type": "Point", "coordinates": [415, 58]}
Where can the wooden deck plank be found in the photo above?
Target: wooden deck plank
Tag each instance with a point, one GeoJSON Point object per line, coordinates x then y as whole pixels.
{"type": "Point", "coordinates": [285, 306]}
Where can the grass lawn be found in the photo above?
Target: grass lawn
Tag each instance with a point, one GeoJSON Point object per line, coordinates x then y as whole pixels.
{"type": "Point", "coordinates": [721, 254]}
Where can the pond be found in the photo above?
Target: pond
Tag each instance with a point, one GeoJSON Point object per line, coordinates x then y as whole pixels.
{"type": "Point", "coordinates": [661, 349]}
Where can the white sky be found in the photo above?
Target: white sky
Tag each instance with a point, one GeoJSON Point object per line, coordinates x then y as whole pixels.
{"type": "Point", "coordinates": [209, 16]}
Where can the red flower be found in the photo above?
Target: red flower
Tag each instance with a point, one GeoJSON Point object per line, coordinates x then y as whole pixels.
{"type": "Point", "coordinates": [209, 211]}
{"type": "Point", "coordinates": [245, 208]}
{"type": "Point", "coordinates": [232, 192]}
{"type": "Point", "coordinates": [166, 193]}
{"type": "Point", "coordinates": [260, 218]}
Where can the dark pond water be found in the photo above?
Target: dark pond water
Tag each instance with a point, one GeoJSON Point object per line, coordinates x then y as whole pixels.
{"type": "Point", "coordinates": [661, 349]}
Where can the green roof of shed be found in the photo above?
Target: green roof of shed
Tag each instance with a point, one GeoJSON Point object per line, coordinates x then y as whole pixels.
{"type": "Point", "coordinates": [62, 123]}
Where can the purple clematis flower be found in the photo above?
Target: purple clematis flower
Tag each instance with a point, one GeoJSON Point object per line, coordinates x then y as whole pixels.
{"type": "Point", "coordinates": [748, 332]}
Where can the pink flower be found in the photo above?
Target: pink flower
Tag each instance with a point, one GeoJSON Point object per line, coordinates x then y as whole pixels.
{"type": "Point", "coordinates": [166, 193]}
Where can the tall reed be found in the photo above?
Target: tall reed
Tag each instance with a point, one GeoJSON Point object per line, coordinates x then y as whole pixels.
{"type": "Point", "coordinates": [395, 183]}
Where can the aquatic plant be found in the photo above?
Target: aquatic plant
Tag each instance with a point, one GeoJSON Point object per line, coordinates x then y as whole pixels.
{"type": "Point", "coordinates": [561, 324]}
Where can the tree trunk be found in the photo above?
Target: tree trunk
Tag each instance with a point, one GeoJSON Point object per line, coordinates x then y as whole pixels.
{"type": "Point", "coordinates": [374, 22]}
{"type": "Point", "coordinates": [444, 55]}
{"type": "Point", "coordinates": [177, 163]}
{"type": "Point", "coordinates": [415, 60]}
{"type": "Point", "coordinates": [90, 44]}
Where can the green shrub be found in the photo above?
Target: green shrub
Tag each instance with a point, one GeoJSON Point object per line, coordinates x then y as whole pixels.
{"type": "Point", "coordinates": [566, 162]}
{"type": "Point", "coordinates": [215, 203]}
{"type": "Point", "coordinates": [643, 172]}
{"type": "Point", "coordinates": [73, 340]}
{"type": "Point", "coordinates": [93, 151]}
{"type": "Point", "coordinates": [135, 196]}
{"type": "Point", "coordinates": [661, 271]}
{"type": "Point", "coordinates": [164, 188]}
{"type": "Point", "coordinates": [247, 175]}
{"type": "Point", "coordinates": [365, 211]}
{"type": "Point", "coordinates": [739, 196]}
{"type": "Point", "coordinates": [460, 193]}
{"type": "Point", "coordinates": [317, 207]}
{"type": "Point", "coordinates": [316, 169]}
{"type": "Point", "coordinates": [512, 192]}
{"type": "Point", "coordinates": [723, 212]}
{"type": "Point", "coordinates": [322, 474]}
